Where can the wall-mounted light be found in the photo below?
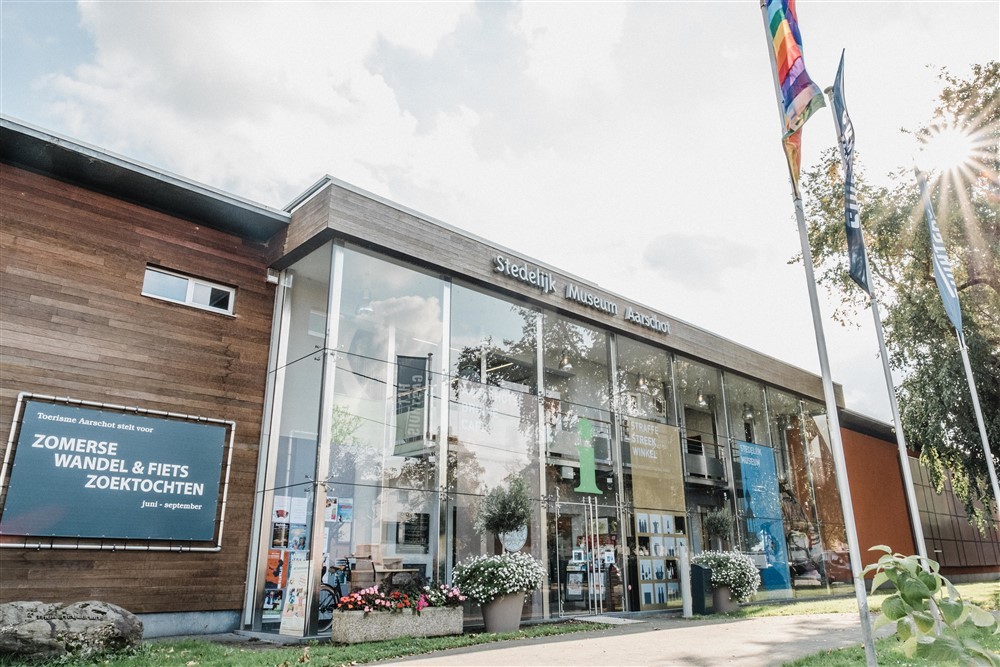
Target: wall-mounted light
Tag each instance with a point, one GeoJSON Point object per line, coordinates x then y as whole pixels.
{"type": "Point", "coordinates": [700, 401]}
{"type": "Point", "coordinates": [565, 364]}
{"type": "Point", "coordinates": [748, 414]}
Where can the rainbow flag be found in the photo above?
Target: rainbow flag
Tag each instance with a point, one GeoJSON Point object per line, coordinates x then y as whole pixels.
{"type": "Point", "coordinates": [800, 96]}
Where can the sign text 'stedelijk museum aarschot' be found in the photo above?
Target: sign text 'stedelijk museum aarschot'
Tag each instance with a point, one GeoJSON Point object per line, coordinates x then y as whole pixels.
{"type": "Point", "coordinates": [212, 407]}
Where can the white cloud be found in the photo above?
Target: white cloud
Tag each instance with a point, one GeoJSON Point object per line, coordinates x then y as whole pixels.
{"type": "Point", "coordinates": [572, 45]}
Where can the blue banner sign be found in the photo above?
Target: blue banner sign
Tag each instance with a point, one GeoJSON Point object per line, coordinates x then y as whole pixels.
{"type": "Point", "coordinates": [100, 473]}
{"type": "Point", "coordinates": [762, 507]}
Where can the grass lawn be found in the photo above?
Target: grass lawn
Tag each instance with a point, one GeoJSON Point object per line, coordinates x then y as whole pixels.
{"type": "Point", "coordinates": [985, 594]}
{"type": "Point", "coordinates": [200, 653]}
{"type": "Point", "coordinates": [888, 652]}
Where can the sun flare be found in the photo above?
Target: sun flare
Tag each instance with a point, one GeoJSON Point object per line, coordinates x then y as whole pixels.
{"type": "Point", "coordinates": [947, 148]}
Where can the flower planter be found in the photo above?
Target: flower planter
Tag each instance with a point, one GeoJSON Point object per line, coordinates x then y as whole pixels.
{"type": "Point", "coordinates": [503, 614]}
{"type": "Point", "coordinates": [354, 627]}
{"type": "Point", "coordinates": [722, 602]}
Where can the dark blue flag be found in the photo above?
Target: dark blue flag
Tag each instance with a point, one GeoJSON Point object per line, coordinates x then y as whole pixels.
{"type": "Point", "coordinates": [845, 137]}
{"type": "Point", "coordinates": [942, 264]}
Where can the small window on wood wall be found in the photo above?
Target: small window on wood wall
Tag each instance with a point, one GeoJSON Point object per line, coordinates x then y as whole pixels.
{"type": "Point", "coordinates": [195, 292]}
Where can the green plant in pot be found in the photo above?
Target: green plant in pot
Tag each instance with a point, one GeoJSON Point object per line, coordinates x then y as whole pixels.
{"type": "Point", "coordinates": [499, 582]}
{"type": "Point", "coordinates": [719, 525]}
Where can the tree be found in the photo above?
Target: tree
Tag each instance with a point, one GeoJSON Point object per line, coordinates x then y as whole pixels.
{"type": "Point", "coordinates": [935, 405]}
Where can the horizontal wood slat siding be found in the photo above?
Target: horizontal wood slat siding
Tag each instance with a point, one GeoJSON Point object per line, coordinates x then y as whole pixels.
{"type": "Point", "coordinates": [354, 216]}
{"type": "Point", "coordinates": [73, 323]}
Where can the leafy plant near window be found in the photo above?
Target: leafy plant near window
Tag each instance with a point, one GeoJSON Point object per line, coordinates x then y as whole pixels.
{"type": "Point", "coordinates": [504, 508]}
{"type": "Point", "coordinates": [932, 620]}
{"type": "Point", "coordinates": [719, 522]}
{"type": "Point", "coordinates": [733, 569]}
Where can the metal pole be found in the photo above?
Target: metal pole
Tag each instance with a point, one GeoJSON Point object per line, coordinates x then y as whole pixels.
{"type": "Point", "coordinates": [979, 420]}
{"type": "Point", "coordinates": [828, 393]}
{"type": "Point", "coordinates": [904, 458]}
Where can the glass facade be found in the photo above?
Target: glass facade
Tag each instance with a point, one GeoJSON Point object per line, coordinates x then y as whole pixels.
{"type": "Point", "coordinates": [400, 397]}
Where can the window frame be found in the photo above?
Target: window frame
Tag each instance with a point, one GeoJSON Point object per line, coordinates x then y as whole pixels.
{"type": "Point", "coordinates": [192, 283]}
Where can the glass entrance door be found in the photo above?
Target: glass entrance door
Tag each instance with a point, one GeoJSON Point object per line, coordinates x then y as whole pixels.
{"type": "Point", "coordinates": [586, 568]}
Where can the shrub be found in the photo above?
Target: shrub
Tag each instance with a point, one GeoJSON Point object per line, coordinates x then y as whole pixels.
{"type": "Point", "coordinates": [733, 569]}
{"type": "Point", "coordinates": [484, 578]}
{"type": "Point", "coordinates": [504, 509]}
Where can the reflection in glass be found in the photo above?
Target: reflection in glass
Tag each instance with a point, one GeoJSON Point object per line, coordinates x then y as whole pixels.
{"type": "Point", "coordinates": [699, 391]}
{"type": "Point", "coordinates": [384, 423]}
{"type": "Point", "coordinates": [493, 416]}
{"type": "Point", "coordinates": [643, 380]}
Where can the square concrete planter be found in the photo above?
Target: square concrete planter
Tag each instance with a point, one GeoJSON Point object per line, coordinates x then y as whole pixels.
{"type": "Point", "coordinates": [353, 627]}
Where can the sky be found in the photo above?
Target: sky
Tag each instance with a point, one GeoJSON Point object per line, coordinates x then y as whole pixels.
{"type": "Point", "coordinates": [636, 145]}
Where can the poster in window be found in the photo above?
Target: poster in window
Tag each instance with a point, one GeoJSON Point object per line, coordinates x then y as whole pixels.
{"type": "Point", "coordinates": [574, 585]}
{"type": "Point", "coordinates": [297, 538]}
{"type": "Point", "coordinates": [411, 405]}
{"type": "Point", "coordinates": [345, 510]}
{"type": "Point", "coordinates": [293, 614]}
{"type": "Point", "coordinates": [279, 535]}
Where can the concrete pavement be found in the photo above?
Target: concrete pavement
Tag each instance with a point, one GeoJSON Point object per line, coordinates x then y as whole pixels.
{"type": "Point", "coordinates": [665, 642]}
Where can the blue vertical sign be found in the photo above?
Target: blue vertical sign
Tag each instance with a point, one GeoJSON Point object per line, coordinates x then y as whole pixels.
{"type": "Point", "coordinates": [762, 504]}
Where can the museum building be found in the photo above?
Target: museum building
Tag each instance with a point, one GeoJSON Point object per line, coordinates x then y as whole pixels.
{"type": "Point", "coordinates": [214, 407]}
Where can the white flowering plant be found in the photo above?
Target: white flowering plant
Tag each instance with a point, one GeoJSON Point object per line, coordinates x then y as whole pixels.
{"type": "Point", "coordinates": [733, 569]}
{"type": "Point", "coordinates": [485, 578]}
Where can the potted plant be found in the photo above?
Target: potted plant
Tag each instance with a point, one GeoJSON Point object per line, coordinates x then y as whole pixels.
{"type": "Point", "coordinates": [378, 613]}
{"type": "Point", "coordinates": [719, 526]}
{"type": "Point", "coordinates": [735, 578]}
{"type": "Point", "coordinates": [498, 583]}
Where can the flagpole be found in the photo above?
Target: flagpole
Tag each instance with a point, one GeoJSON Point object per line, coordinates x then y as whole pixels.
{"type": "Point", "coordinates": [846, 153]}
{"type": "Point", "coordinates": [953, 309]}
{"type": "Point", "coordinates": [904, 457]}
{"type": "Point", "coordinates": [963, 348]}
{"type": "Point", "coordinates": [833, 416]}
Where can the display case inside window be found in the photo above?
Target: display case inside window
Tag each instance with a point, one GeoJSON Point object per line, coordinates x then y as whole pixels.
{"type": "Point", "coordinates": [660, 538]}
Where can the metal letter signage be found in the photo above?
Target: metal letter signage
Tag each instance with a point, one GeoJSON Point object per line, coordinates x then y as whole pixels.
{"type": "Point", "coordinates": [104, 473]}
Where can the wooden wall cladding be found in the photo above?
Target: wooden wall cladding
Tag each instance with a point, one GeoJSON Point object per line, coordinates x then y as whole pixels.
{"type": "Point", "coordinates": [73, 323]}
{"type": "Point", "coordinates": [339, 211]}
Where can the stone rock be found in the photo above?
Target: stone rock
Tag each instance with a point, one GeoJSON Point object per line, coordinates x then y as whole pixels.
{"type": "Point", "coordinates": [48, 630]}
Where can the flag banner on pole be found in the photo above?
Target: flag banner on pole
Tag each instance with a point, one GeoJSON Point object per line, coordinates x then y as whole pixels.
{"type": "Point", "coordinates": [793, 152]}
{"type": "Point", "coordinates": [942, 265]}
{"type": "Point", "coordinates": [845, 137]}
{"type": "Point", "coordinates": [800, 96]}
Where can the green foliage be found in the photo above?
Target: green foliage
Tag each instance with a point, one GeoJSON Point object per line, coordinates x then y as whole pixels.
{"type": "Point", "coordinates": [719, 522]}
{"type": "Point", "coordinates": [733, 569]}
{"type": "Point", "coordinates": [504, 508]}
{"type": "Point", "coordinates": [936, 407]}
{"type": "Point", "coordinates": [931, 618]}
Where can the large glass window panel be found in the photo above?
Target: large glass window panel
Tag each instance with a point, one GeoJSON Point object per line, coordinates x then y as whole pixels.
{"type": "Point", "coordinates": [577, 393]}
{"type": "Point", "coordinates": [760, 524]}
{"type": "Point", "coordinates": [382, 477]}
{"type": "Point", "coordinates": [833, 532]}
{"type": "Point", "coordinates": [643, 382]}
{"type": "Point", "coordinates": [298, 391]}
{"type": "Point", "coordinates": [798, 506]}
{"type": "Point", "coordinates": [493, 418]}
{"type": "Point", "coordinates": [699, 390]}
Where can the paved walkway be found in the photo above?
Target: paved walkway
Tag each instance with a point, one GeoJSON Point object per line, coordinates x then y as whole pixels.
{"type": "Point", "coordinates": [660, 642]}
